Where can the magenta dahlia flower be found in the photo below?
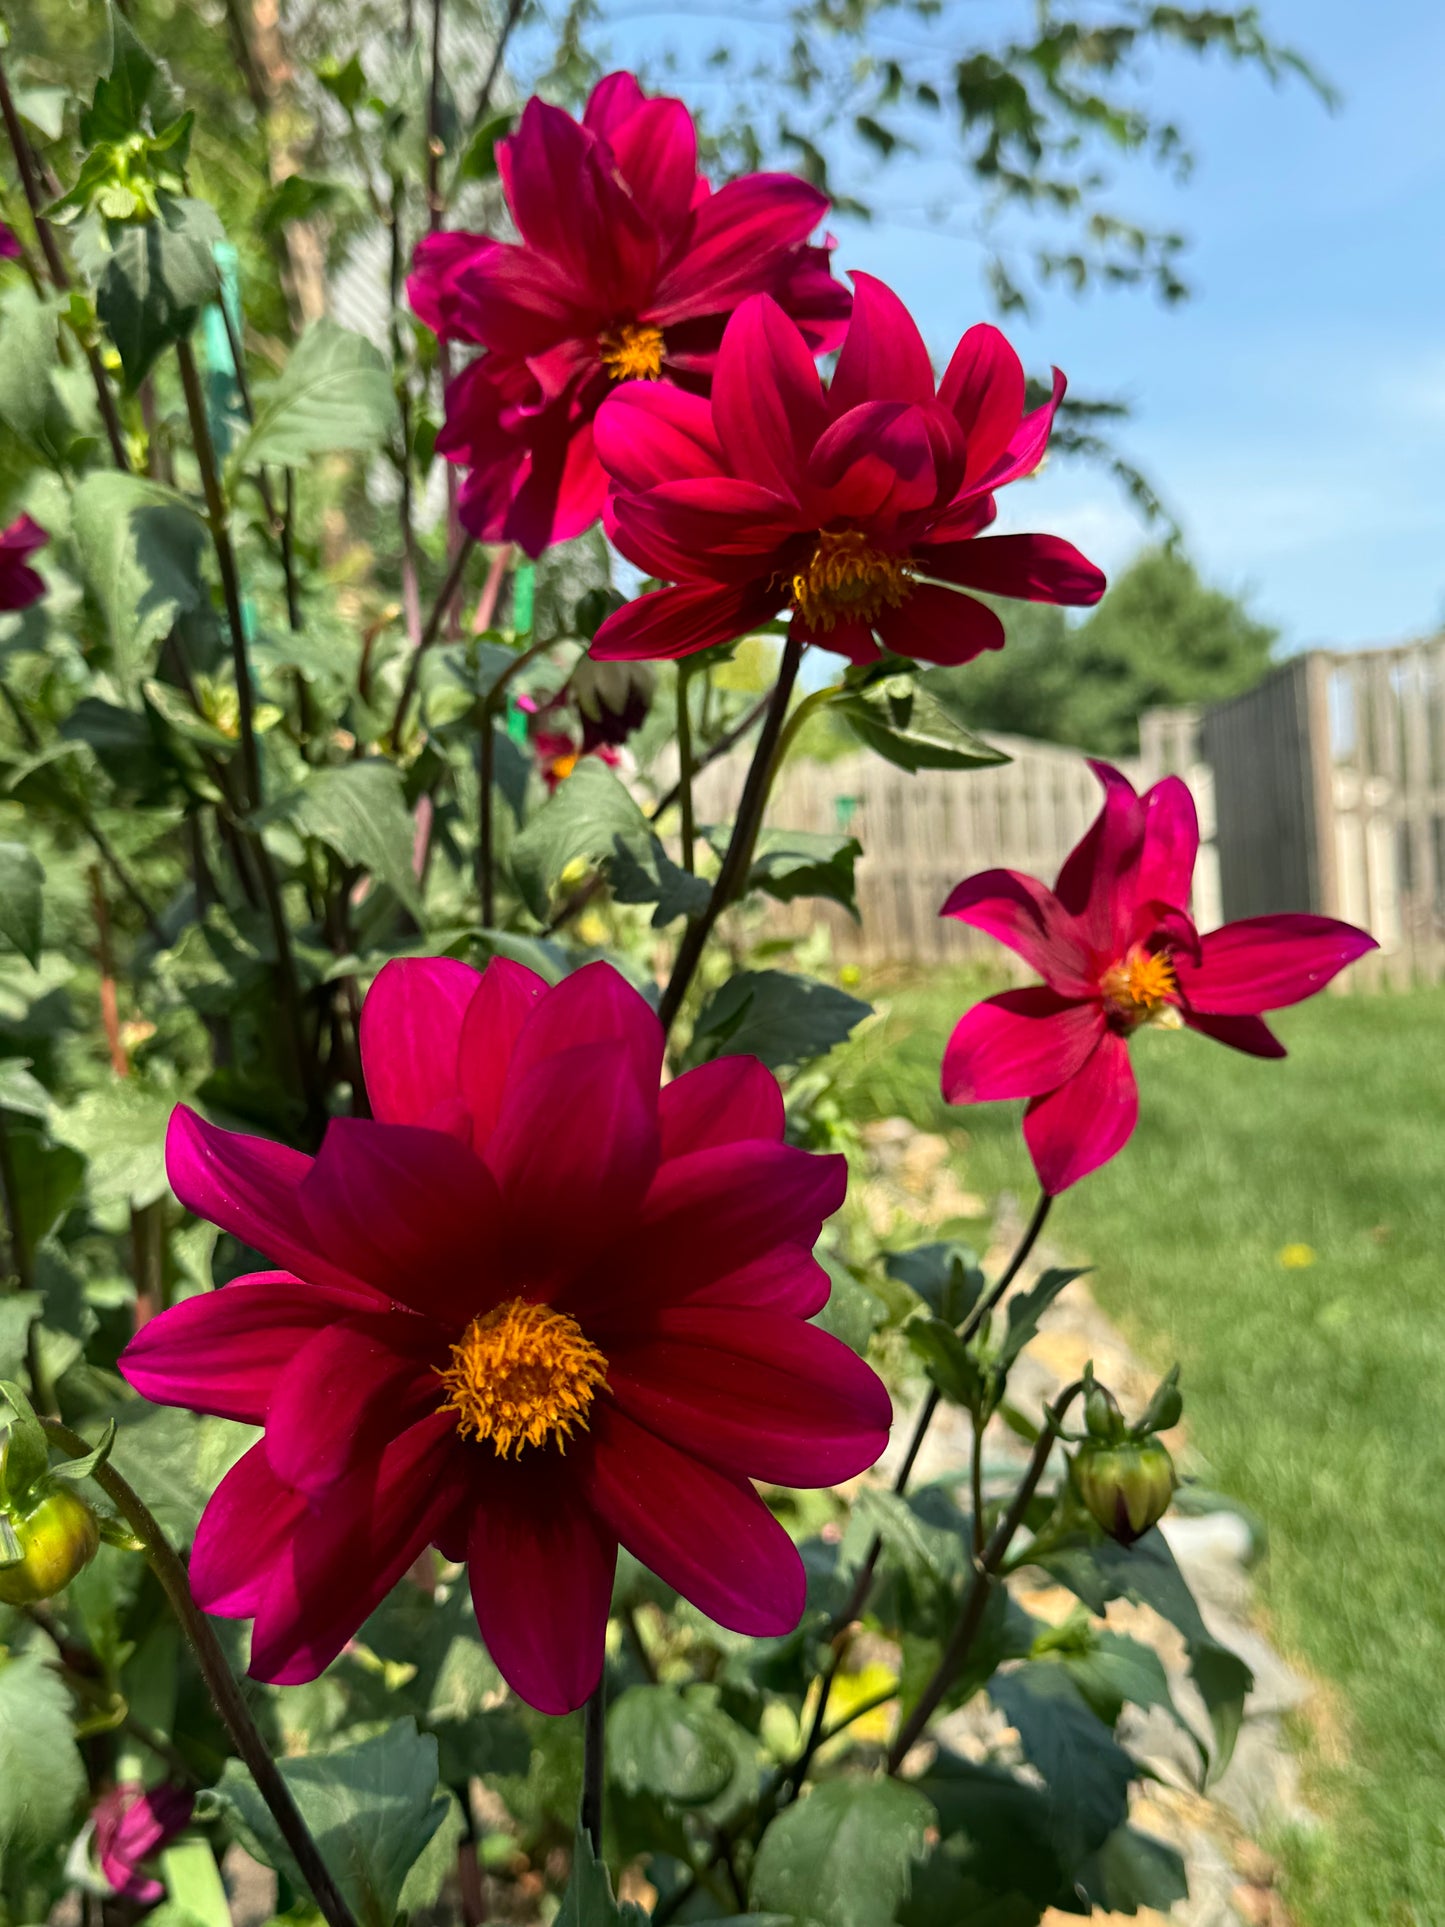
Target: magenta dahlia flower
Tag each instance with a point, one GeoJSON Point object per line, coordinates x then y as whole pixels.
{"type": "Point", "coordinates": [20, 585]}
{"type": "Point", "coordinates": [857, 506]}
{"type": "Point", "coordinates": [627, 268]}
{"type": "Point", "coordinates": [537, 1308]}
{"type": "Point", "coordinates": [10, 248]}
{"type": "Point", "coordinates": [133, 1824]}
{"type": "Point", "coordinates": [1117, 948]}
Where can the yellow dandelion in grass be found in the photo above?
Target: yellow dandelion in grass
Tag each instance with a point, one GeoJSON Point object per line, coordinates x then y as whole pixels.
{"type": "Point", "coordinates": [1297, 1257]}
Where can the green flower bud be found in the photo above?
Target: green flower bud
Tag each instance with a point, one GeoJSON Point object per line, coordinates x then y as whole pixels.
{"type": "Point", "coordinates": [44, 1544]}
{"type": "Point", "coordinates": [1127, 1488]}
{"type": "Point", "coordinates": [1102, 1415]}
{"type": "Point", "coordinates": [1166, 1408]}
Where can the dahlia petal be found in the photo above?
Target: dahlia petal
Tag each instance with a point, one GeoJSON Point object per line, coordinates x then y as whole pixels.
{"type": "Point", "coordinates": [1250, 1034]}
{"type": "Point", "coordinates": [564, 486]}
{"type": "Point", "coordinates": [1171, 844]}
{"type": "Point", "coordinates": [541, 1566]}
{"type": "Point", "coordinates": [1080, 1126]}
{"type": "Point", "coordinates": [655, 148]}
{"type": "Point", "coordinates": [883, 357]}
{"type": "Point", "coordinates": [940, 625]}
{"type": "Point", "coordinates": [1022, 1043]}
{"type": "Point", "coordinates": [506, 996]}
{"type": "Point", "coordinates": [984, 387]}
{"type": "Point", "coordinates": [508, 299]}
{"type": "Point", "coordinates": [648, 432]}
{"type": "Point", "coordinates": [724, 1102]}
{"type": "Point", "coordinates": [758, 1394]}
{"type": "Point", "coordinates": [243, 1534]}
{"type": "Point", "coordinates": [1265, 963]}
{"type": "Point", "coordinates": [767, 401]}
{"type": "Point", "coordinates": [573, 1154]}
{"type": "Point", "coordinates": [250, 1187]}
{"type": "Point", "coordinates": [1024, 914]}
{"type": "Point", "coordinates": [570, 206]}
{"type": "Point", "coordinates": [346, 1554]}
{"type": "Point", "coordinates": [1098, 883]}
{"type": "Point", "coordinates": [741, 236]}
{"type": "Point", "coordinates": [593, 1005]}
{"type": "Point", "coordinates": [707, 1535]}
{"type": "Point", "coordinates": [220, 1352]}
{"type": "Point", "coordinates": [804, 287]}
{"type": "Point", "coordinates": [962, 520]}
{"type": "Point", "coordinates": [412, 1210]}
{"type": "Point", "coordinates": [787, 1278]}
{"type": "Point", "coordinates": [1033, 568]}
{"type": "Point", "coordinates": [711, 1213]}
{"type": "Point", "coordinates": [21, 538]}
{"type": "Point", "coordinates": [615, 98]}
{"type": "Point", "coordinates": [1027, 446]}
{"type": "Point", "coordinates": [346, 1392]}
{"type": "Point", "coordinates": [853, 640]}
{"type": "Point", "coordinates": [411, 1029]}
{"type": "Point", "coordinates": [875, 462]}
{"type": "Point", "coordinates": [678, 622]}
{"type": "Point", "coordinates": [720, 513]}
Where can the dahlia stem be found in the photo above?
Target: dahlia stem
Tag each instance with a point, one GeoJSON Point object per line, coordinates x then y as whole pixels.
{"type": "Point", "coordinates": [486, 759]}
{"type": "Point", "coordinates": [684, 768]}
{"type": "Point", "coordinates": [975, 1600]}
{"type": "Point", "coordinates": [863, 1584]}
{"type": "Point", "coordinates": [594, 1747]}
{"type": "Point", "coordinates": [732, 877]}
{"type": "Point", "coordinates": [429, 635]}
{"type": "Point", "coordinates": [229, 1700]}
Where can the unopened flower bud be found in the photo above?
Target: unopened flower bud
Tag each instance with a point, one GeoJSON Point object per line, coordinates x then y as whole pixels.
{"type": "Point", "coordinates": [1127, 1488]}
{"type": "Point", "coordinates": [1101, 1411]}
{"type": "Point", "coordinates": [1166, 1408]}
{"type": "Point", "coordinates": [44, 1543]}
{"type": "Point", "coordinates": [612, 699]}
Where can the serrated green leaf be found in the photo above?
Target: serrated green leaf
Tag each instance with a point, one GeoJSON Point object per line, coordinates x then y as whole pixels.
{"type": "Point", "coordinates": [587, 818]}
{"type": "Point", "coordinates": [126, 92]}
{"type": "Point", "coordinates": [335, 392]}
{"type": "Point", "coordinates": [589, 1900]}
{"type": "Point", "coordinates": [29, 326]}
{"type": "Point", "coordinates": [479, 158]}
{"type": "Point", "coordinates": [843, 1855]}
{"type": "Point", "coordinates": [772, 1014]}
{"type": "Point", "coordinates": [946, 1359]}
{"type": "Point", "coordinates": [22, 883]}
{"type": "Point", "coordinates": [663, 1743]}
{"type": "Point", "coordinates": [1026, 1308]}
{"type": "Point", "coordinates": [42, 1779]}
{"type": "Point", "coordinates": [910, 728]}
{"type": "Point", "coordinates": [1085, 1771]}
{"type": "Point", "coordinates": [159, 275]}
{"type": "Point", "coordinates": [372, 1808]}
{"type": "Point", "coordinates": [853, 1312]}
{"type": "Point", "coordinates": [120, 1127]}
{"type": "Point", "coordinates": [945, 1275]}
{"type": "Point", "coordinates": [806, 863]}
{"type": "Point", "coordinates": [1133, 1870]}
{"type": "Point", "coordinates": [194, 1888]}
{"type": "Point", "coordinates": [48, 1178]}
{"type": "Point", "coordinates": [359, 811]}
{"type": "Point", "coordinates": [140, 548]}
{"type": "Point", "coordinates": [21, 1091]}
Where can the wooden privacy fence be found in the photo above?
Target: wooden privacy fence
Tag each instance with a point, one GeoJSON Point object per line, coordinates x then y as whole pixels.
{"type": "Point", "coordinates": [1331, 784]}
{"type": "Point", "coordinates": [921, 834]}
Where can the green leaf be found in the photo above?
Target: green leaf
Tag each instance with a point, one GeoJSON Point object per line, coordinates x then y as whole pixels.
{"type": "Point", "coordinates": [853, 1313]}
{"type": "Point", "coordinates": [806, 863]}
{"type": "Point", "coordinates": [1146, 1573]}
{"type": "Point", "coordinates": [21, 1091]}
{"type": "Point", "coordinates": [945, 1275]}
{"type": "Point", "coordinates": [479, 159]}
{"type": "Point", "coordinates": [910, 728]}
{"type": "Point", "coordinates": [334, 392]}
{"type": "Point", "coordinates": [947, 1360]}
{"type": "Point", "coordinates": [358, 810]}
{"type": "Point", "coordinates": [662, 1743]}
{"type": "Point", "coordinates": [120, 1126]}
{"type": "Point", "coordinates": [585, 821]}
{"type": "Point", "coordinates": [1112, 1670]}
{"type": "Point", "coordinates": [1086, 1772]}
{"type": "Point", "coordinates": [194, 1888]}
{"type": "Point", "coordinates": [1133, 1870]}
{"type": "Point", "coordinates": [298, 198]}
{"type": "Point", "coordinates": [48, 1178]}
{"type": "Point", "coordinates": [140, 548]}
{"type": "Point", "coordinates": [1026, 1308]}
{"type": "Point", "coordinates": [371, 1808]}
{"type": "Point", "coordinates": [998, 1837]}
{"type": "Point", "coordinates": [842, 1857]}
{"type": "Point", "coordinates": [27, 1450]}
{"type": "Point", "coordinates": [158, 277]}
{"type": "Point", "coordinates": [18, 1312]}
{"type": "Point", "coordinates": [22, 881]}
{"type": "Point", "coordinates": [640, 871]}
{"type": "Point", "coordinates": [344, 81]}
{"type": "Point", "coordinates": [774, 1015]}
{"type": "Point", "coordinates": [44, 108]}
{"type": "Point", "coordinates": [588, 1901]}
{"type": "Point", "coordinates": [133, 81]}
{"type": "Point", "coordinates": [31, 353]}
{"type": "Point", "coordinates": [42, 1780]}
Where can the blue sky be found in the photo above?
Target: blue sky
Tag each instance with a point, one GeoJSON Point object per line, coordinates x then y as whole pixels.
{"type": "Point", "coordinates": [1293, 413]}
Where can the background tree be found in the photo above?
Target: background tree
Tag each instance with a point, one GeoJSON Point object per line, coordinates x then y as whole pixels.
{"type": "Point", "coordinates": [1161, 635]}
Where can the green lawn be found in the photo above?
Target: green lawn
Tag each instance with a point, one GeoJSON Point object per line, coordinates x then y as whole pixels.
{"type": "Point", "coordinates": [1316, 1394]}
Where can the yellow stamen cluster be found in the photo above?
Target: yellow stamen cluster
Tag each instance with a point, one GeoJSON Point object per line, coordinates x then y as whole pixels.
{"type": "Point", "coordinates": [632, 352]}
{"type": "Point", "coordinates": [1140, 986]}
{"type": "Point", "coordinates": [849, 580]}
{"type": "Point", "coordinates": [520, 1375]}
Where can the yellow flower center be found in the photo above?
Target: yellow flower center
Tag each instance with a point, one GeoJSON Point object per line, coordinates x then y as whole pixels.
{"type": "Point", "coordinates": [847, 579]}
{"type": "Point", "coordinates": [1139, 987]}
{"type": "Point", "coordinates": [522, 1374]}
{"type": "Point", "coordinates": [563, 766]}
{"type": "Point", "coordinates": [632, 352]}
